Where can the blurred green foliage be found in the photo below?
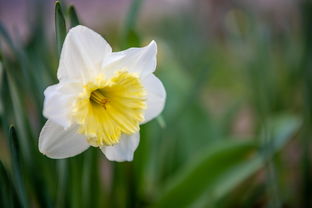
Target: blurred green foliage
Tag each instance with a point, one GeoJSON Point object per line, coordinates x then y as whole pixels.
{"type": "Point", "coordinates": [235, 132]}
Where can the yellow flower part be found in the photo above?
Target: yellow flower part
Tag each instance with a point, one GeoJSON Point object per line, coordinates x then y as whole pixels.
{"type": "Point", "coordinates": [110, 107]}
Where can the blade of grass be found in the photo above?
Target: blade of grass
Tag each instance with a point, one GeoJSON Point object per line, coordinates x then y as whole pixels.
{"type": "Point", "coordinates": [73, 17]}
{"type": "Point", "coordinates": [60, 27]}
{"type": "Point", "coordinates": [129, 33]}
{"type": "Point", "coordinates": [75, 181]}
{"type": "Point", "coordinates": [19, 117]}
{"type": "Point", "coordinates": [86, 175]}
{"type": "Point", "coordinates": [7, 192]}
{"type": "Point", "coordinates": [17, 169]}
{"type": "Point", "coordinates": [62, 183]}
{"type": "Point", "coordinates": [20, 55]}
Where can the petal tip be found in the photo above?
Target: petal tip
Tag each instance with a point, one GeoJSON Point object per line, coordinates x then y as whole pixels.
{"type": "Point", "coordinates": [153, 44]}
{"type": "Point", "coordinates": [127, 159]}
{"type": "Point", "coordinates": [123, 151]}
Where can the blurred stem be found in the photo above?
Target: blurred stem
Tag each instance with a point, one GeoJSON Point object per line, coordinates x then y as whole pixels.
{"type": "Point", "coordinates": [86, 176]}
{"type": "Point", "coordinates": [16, 168]}
{"type": "Point", "coordinates": [261, 81]}
{"type": "Point", "coordinates": [90, 181]}
{"type": "Point", "coordinates": [124, 186]}
{"type": "Point", "coordinates": [118, 189]}
{"type": "Point", "coordinates": [75, 181]}
{"type": "Point", "coordinates": [133, 13]}
{"type": "Point", "coordinates": [130, 21]}
{"type": "Point", "coordinates": [62, 183]}
{"type": "Point", "coordinates": [166, 148]}
{"type": "Point", "coordinates": [267, 142]}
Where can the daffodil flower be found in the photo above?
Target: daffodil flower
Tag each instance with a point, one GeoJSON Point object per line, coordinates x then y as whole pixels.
{"type": "Point", "coordinates": [101, 99]}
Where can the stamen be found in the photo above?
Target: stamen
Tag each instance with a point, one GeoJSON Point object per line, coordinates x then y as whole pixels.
{"type": "Point", "coordinates": [108, 108]}
{"type": "Point", "coordinates": [98, 97]}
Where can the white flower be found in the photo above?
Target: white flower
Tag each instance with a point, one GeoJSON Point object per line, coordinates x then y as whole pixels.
{"type": "Point", "coordinates": [101, 99]}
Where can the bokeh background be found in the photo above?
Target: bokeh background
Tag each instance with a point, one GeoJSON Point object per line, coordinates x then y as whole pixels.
{"type": "Point", "coordinates": [236, 129]}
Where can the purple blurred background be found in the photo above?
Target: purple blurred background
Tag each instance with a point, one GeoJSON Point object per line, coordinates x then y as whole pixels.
{"type": "Point", "coordinates": [100, 14]}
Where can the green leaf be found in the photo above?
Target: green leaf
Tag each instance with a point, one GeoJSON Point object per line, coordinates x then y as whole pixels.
{"type": "Point", "coordinates": [133, 14]}
{"type": "Point", "coordinates": [224, 166]}
{"type": "Point", "coordinates": [204, 172]}
{"type": "Point", "coordinates": [62, 166]}
{"type": "Point", "coordinates": [60, 26]}
{"type": "Point", "coordinates": [16, 168]}
{"type": "Point", "coordinates": [229, 180]}
{"type": "Point", "coordinates": [130, 37]}
{"type": "Point", "coordinates": [73, 17]}
{"type": "Point", "coordinates": [13, 111]}
{"type": "Point", "coordinates": [6, 105]}
{"type": "Point", "coordinates": [8, 196]}
{"type": "Point", "coordinates": [19, 117]}
{"type": "Point", "coordinates": [22, 60]}
{"type": "Point", "coordinates": [6, 37]}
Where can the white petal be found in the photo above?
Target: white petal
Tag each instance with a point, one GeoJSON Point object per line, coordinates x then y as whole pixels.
{"type": "Point", "coordinates": [124, 150]}
{"type": "Point", "coordinates": [138, 60]}
{"type": "Point", "coordinates": [57, 143]}
{"type": "Point", "coordinates": [156, 97]}
{"type": "Point", "coordinates": [82, 54]}
{"type": "Point", "coordinates": [58, 102]}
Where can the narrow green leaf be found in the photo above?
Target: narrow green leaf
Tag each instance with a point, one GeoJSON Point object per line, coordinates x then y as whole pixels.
{"type": "Point", "coordinates": [204, 172]}
{"type": "Point", "coordinates": [60, 26]}
{"type": "Point", "coordinates": [12, 103]}
{"type": "Point", "coordinates": [133, 13]}
{"type": "Point", "coordinates": [229, 180]}
{"type": "Point", "coordinates": [220, 169]}
{"type": "Point", "coordinates": [6, 105]}
{"type": "Point", "coordinates": [22, 60]}
{"type": "Point", "coordinates": [5, 35]}
{"type": "Point", "coordinates": [19, 117]}
{"type": "Point", "coordinates": [90, 185]}
{"type": "Point", "coordinates": [16, 168]}
{"type": "Point", "coordinates": [7, 193]}
{"type": "Point", "coordinates": [62, 186]}
{"type": "Point", "coordinates": [86, 175]}
{"type": "Point", "coordinates": [73, 17]}
{"type": "Point", "coordinates": [130, 37]}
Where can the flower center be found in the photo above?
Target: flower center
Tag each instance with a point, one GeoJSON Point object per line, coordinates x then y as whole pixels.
{"type": "Point", "coordinates": [98, 98]}
{"type": "Point", "coordinates": [108, 108]}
